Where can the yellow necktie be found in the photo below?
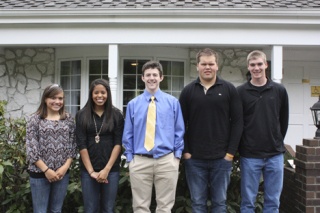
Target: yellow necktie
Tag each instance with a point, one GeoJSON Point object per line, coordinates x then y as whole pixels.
{"type": "Point", "coordinates": [150, 126]}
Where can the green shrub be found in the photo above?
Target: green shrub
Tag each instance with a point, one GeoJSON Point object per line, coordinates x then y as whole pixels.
{"type": "Point", "coordinates": [14, 180]}
{"type": "Point", "coordinates": [73, 201]}
{"type": "Point", "coordinates": [15, 194]}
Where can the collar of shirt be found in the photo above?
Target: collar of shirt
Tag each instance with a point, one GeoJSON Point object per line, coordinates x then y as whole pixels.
{"type": "Point", "coordinates": [218, 81]}
{"type": "Point", "coordinates": [268, 85]}
{"type": "Point", "coordinates": [157, 95]}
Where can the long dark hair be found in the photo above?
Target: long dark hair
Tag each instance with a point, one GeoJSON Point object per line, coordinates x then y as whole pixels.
{"type": "Point", "coordinates": [49, 92]}
{"type": "Point", "coordinates": [88, 110]}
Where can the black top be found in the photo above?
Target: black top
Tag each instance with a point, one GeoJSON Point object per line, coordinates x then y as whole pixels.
{"type": "Point", "coordinates": [266, 115]}
{"type": "Point", "coordinates": [100, 153]}
{"type": "Point", "coordinates": [213, 120]}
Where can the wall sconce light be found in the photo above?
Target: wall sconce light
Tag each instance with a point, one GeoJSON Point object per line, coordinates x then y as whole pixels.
{"type": "Point", "coordinates": [315, 111]}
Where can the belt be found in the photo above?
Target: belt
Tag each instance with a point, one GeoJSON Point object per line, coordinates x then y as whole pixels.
{"type": "Point", "coordinates": [145, 155]}
{"type": "Point", "coordinates": [150, 156]}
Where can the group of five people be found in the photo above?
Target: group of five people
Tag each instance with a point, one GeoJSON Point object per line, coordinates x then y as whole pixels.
{"type": "Point", "coordinates": [210, 122]}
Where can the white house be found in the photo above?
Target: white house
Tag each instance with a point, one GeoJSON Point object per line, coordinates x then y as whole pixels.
{"type": "Point", "coordinates": [73, 42]}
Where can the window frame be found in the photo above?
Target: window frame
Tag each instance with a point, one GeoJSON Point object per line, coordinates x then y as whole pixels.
{"type": "Point", "coordinates": [121, 73]}
{"type": "Point", "coordinates": [58, 73]}
{"type": "Point", "coordinates": [122, 59]}
{"type": "Point", "coordinates": [176, 60]}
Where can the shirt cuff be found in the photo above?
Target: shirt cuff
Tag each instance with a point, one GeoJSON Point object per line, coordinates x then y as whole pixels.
{"type": "Point", "coordinates": [129, 157]}
{"type": "Point", "coordinates": [178, 154]}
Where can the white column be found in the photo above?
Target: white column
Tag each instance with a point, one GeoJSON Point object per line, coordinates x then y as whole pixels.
{"type": "Point", "coordinates": [276, 61]}
{"type": "Point", "coordinates": [113, 72]}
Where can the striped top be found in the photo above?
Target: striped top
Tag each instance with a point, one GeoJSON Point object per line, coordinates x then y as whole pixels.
{"type": "Point", "coordinates": [51, 141]}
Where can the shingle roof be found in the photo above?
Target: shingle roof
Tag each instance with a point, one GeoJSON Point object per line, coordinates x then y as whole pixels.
{"type": "Point", "coordinates": [87, 4]}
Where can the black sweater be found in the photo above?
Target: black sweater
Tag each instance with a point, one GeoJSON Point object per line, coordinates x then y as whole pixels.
{"type": "Point", "coordinates": [213, 120]}
{"type": "Point", "coordinates": [266, 115]}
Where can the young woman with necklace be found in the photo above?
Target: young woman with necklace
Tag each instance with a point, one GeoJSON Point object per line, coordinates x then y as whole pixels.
{"type": "Point", "coordinates": [51, 146]}
{"type": "Point", "coordinates": [99, 137]}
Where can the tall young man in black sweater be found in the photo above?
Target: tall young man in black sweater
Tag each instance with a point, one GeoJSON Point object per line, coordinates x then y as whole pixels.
{"type": "Point", "coordinates": [212, 114]}
{"type": "Point", "coordinates": [265, 114]}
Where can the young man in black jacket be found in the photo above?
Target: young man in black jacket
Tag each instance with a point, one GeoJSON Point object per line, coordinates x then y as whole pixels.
{"type": "Point", "coordinates": [212, 114]}
{"type": "Point", "coordinates": [265, 114]}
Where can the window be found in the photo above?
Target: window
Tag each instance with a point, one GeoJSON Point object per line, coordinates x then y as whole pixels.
{"type": "Point", "coordinates": [173, 82]}
{"type": "Point", "coordinates": [74, 83]}
{"type": "Point", "coordinates": [132, 82]}
{"type": "Point", "coordinates": [70, 81]}
{"type": "Point", "coordinates": [98, 69]}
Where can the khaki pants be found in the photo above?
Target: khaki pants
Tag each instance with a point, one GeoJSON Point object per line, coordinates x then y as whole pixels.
{"type": "Point", "coordinates": [163, 173]}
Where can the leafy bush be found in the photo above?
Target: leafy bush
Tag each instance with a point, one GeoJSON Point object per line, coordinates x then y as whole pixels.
{"type": "Point", "coordinates": [14, 180]}
{"type": "Point", "coordinates": [15, 194]}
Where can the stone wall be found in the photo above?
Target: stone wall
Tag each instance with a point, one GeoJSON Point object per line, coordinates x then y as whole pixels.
{"type": "Point", "coordinates": [24, 73]}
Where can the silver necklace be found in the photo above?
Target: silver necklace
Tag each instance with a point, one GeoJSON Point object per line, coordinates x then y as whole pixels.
{"type": "Point", "coordinates": [97, 137]}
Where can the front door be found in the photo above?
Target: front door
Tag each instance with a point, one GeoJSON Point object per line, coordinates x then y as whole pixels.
{"type": "Point", "coordinates": [298, 79]}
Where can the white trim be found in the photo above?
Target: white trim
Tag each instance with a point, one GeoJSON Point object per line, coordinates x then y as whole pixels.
{"type": "Point", "coordinates": [160, 34]}
{"type": "Point", "coordinates": [277, 60]}
{"type": "Point", "coordinates": [160, 26]}
{"type": "Point", "coordinates": [162, 15]}
{"type": "Point", "coordinates": [113, 64]}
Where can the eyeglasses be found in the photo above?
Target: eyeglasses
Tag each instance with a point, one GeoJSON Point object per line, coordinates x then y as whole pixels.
{"type": "Point", "coordinates": [253, 64]}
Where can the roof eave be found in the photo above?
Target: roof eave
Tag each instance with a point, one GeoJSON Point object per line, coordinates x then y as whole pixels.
{"type": "Point", "coordinates": [161, 15]}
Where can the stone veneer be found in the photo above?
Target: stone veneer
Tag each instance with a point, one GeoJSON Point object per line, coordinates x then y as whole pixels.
{"type": "Point", "coordinates": [24, 73]}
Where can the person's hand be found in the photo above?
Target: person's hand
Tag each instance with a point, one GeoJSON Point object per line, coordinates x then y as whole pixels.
{"type": "Point", "coordinates": [51, 175]}
{"type": "Point", "coordinates": [62, 171]}
{"type": "Point", "coordinates": [186, 155]}
{"type": "Point", "coordinates": [227, 157]}
{"type": "Point", "coordinates": [103, 175]}
{"type": "Point", "coordinates": [94, 175]}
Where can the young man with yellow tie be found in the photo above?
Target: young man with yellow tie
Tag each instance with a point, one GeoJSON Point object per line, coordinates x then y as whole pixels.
{"type": "Point", "coordinates": [153, 142]}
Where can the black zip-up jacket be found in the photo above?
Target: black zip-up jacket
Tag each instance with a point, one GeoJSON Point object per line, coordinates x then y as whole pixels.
{"type": "Point", "coordinates": [213, 120]}
{"type": "Point", "coordinates": [265, 115]}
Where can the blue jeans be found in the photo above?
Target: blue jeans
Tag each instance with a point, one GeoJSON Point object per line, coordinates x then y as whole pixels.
{"type": "Point", "coordinates": [272, 171]}
{"type": "Point", "coordinates": [48, 196]}
{"type": "Point", "coordinates": [205, 176]}
{"type": "Point", "coordinates": [99, 197]}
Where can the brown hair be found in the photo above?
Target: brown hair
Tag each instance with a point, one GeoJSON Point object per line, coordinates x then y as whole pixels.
{"type": "Point", "coordinates": [152, 65]}
{"type": "Point", "coordinates": [207, 52]}
{"type": "Point", "coordinates": [49, 92]}
{"type": "Point", "coordinates": [256, 54]}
